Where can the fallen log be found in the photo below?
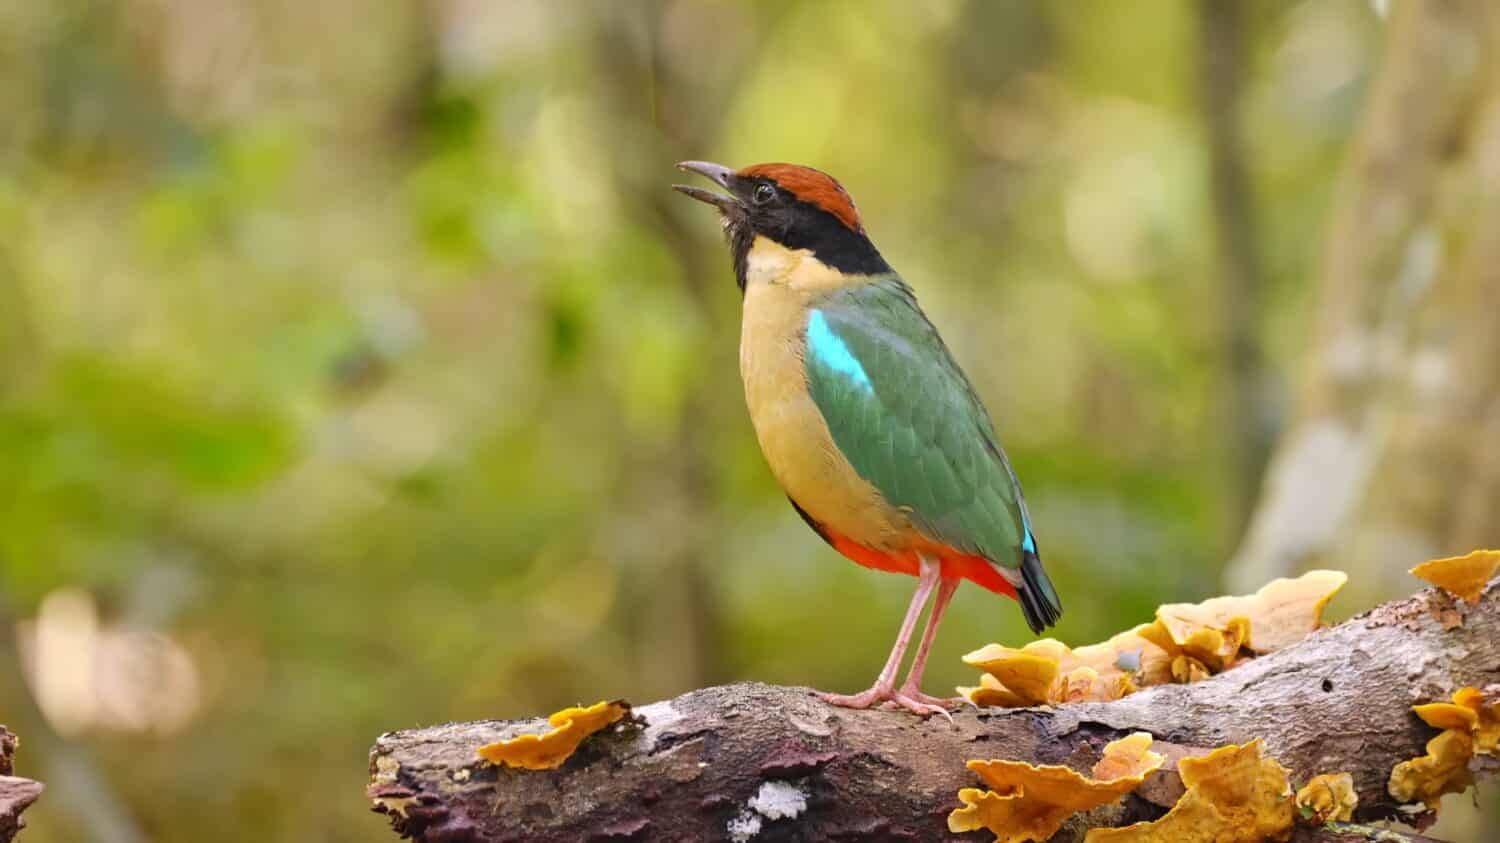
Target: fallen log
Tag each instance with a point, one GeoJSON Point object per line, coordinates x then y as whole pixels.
{"type": "Point", "coordinates": [767, 763]}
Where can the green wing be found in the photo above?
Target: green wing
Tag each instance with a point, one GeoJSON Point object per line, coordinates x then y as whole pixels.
{"type": "Point", "coordinates": [909, 422]}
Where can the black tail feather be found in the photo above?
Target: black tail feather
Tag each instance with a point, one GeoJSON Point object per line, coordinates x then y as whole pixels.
{"type": "Point", "coordinates": [1039, 601]}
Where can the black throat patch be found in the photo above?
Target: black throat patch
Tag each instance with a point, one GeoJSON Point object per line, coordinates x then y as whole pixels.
{"type": "Point", "coordinates": [799, 225]}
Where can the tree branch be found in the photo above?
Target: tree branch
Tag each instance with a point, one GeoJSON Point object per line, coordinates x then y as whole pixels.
{"type": "Point", "coordinates": [16, 794]}
{"type": "Point", "coordinates": [1337, 701]}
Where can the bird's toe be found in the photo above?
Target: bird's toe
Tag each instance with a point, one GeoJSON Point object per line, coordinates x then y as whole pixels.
{"type": "Point", "coordinates": [918, 707]}
{"type": "Point", "coordinates": [948, 703]}
{"type": "Point", "coordinates": [864, 699]}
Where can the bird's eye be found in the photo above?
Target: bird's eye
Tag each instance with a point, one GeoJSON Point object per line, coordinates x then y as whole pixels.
{"type": "Point", "coordinates": [764, 193]}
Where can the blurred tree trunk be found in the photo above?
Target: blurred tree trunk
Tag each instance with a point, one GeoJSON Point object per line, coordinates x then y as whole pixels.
{"type": "Point", "coordinates": [1223, 44]}
{"type": "Point", "coordinates": [676, 624]}
{"type": "Point", "coordinates": [1394, 451]}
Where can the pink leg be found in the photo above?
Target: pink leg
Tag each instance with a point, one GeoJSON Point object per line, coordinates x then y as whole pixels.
{"type": "Point", "coordinates": [912, 687]}
{"type": "Point", "coordinates": [885, 685]}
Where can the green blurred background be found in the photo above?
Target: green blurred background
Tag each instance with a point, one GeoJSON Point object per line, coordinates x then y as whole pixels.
{"type": "Point", "coordinates": [359, 370]}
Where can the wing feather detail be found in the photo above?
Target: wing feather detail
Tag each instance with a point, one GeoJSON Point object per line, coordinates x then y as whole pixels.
{"type": "Point", "coordinates": [908, 420]}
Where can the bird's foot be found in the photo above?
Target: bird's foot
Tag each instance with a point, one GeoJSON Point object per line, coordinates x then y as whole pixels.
{"type": "Point", "coordinates": [917, 702]}
{"type": "Point", "coordinates": [888, 697]}
{"type": "Point", "coordinates": [947, 703]}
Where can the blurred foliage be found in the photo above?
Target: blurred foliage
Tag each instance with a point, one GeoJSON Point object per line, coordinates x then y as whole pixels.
{"type": "Point", "coordinates": [366, 354]}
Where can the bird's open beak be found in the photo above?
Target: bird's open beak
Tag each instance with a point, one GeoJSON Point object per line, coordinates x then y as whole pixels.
{"type": "Point", "coordinates": [719, 173]}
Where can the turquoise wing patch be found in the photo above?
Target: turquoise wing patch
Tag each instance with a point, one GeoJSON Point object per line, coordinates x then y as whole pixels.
{"type": "Point", "coordinates": [831, 352]}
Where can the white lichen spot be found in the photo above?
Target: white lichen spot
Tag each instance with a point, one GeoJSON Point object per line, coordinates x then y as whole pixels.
{"type": "Point", "coordinates": [461, 774]}
{"type": "Point", "coordinates": [659, 717]}
{"type": "Point", "coordinates": [774, 801]}
{"type": "Point", "coordinates": [779, 800]}
{"type": "Point", "coordinates": [743, 827]}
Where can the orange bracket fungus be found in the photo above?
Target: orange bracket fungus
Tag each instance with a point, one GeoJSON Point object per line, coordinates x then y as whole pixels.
{"type": "Point", "coordinates": [1013, 678]}
{"type": "Point", "coordinates": [990, 692]}
{"type": "Point", "coordinates": [1470, 724]}
{"type": "Point", "coordinates": [1125, 661]}
{"type": "Point", "coordinates": [1047, 671]}
{"type": "Point", "coordinates": [549, 750]}
{"type": "Point", "coordinates": [1464, 576]}
{"type": "Point", "coordinates": [1328, 798]}
{"type": "Point", "coordinates": [1279, 614]}
{"type": "Point", "coordinates": [1444, 769]}
{"type": "Point", "coordinates": [1210, 649]}
{"type": "Point", "coordinates": [1234, 795]}
{"type": "Point", "coordinates": [1486, 707]}
{"type": "Point", "coordinates": [1472, 711]}
{"type": "Point", "coordinates": [1187, 642]}
{"type": "Point", "coordinates": [1031, 803]}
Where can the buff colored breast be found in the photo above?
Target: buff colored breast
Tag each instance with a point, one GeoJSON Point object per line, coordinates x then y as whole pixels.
{"type": "Point", "coordinates": [781, 286]}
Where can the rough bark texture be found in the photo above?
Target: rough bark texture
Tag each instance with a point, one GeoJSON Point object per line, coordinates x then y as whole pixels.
{"type": "Point", "coordinates": [735, 757]}
{"type": "Point", "coordinates": [1393, 451]}
{"type": "Point", "coordinates": [16, 794]}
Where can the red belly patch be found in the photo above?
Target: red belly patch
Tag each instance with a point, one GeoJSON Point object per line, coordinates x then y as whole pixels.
{"type": "Point", "coordinates": [956, 564]}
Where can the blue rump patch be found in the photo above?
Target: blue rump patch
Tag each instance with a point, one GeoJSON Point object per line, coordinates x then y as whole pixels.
{"type": "Point", "coordinates": [832, 352]}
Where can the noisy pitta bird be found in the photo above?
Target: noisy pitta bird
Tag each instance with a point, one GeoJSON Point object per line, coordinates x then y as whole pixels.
{"type": "Point", "coordinates": [864, 417]}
